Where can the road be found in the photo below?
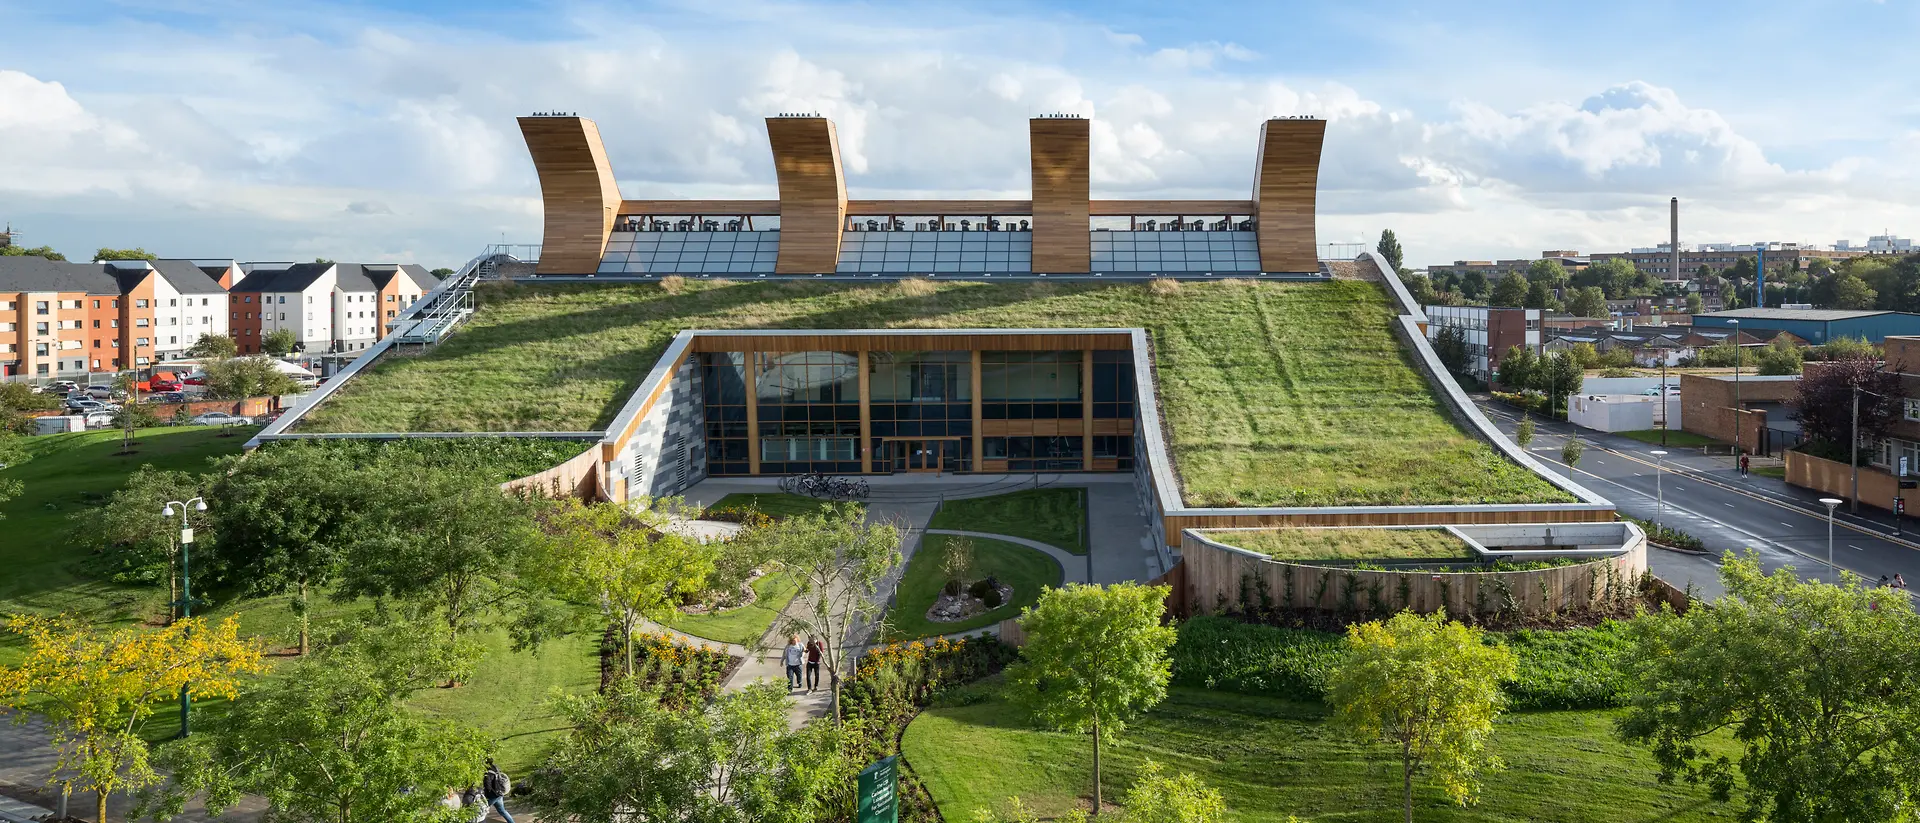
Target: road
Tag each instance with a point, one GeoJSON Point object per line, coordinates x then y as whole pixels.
{"type": "Point", "coordinates": [1706, 497]}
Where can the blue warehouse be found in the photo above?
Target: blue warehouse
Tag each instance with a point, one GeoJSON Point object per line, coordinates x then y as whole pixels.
{"type": "Point", "coordinates": [1816, 326]}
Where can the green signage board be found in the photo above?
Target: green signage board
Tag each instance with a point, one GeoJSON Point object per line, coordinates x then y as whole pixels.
{"type": "Point", "coordinates": [879, 798]}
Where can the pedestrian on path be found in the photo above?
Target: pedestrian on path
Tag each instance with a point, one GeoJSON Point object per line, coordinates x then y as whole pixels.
{"type": "Point", "coordinates": [1898, 581]}
{"type": "Point", "coordinates": [495, 786]}
{"type": "Point", "coordinates": [814, 649]}
{"type": "Point", "coordinates": [1744, 465]}
{"type": "Point", "coordinates": [792, 657]}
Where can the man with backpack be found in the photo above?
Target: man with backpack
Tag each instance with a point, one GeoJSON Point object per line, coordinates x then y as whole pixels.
{"type": "Point", "coordinates": [495, 787]}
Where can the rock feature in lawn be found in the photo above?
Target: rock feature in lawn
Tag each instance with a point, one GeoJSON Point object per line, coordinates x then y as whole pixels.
{"type": "Point", "coordinates": [741, 599]}
{"type": "Point", "coordinates": [953, 608]}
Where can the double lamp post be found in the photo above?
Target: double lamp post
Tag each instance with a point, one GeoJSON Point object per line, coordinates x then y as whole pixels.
{"type": "Point", "coordinates": [185, 603]}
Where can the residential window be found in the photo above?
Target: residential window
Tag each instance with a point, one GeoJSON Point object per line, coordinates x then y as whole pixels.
{"type": "Point", "coordinates": [96, 304]}
{"type": "Point", "coordinates": [39, 307]}
{"type": "Point", "coordinates": [113, 344]}
{"type": "Point", "coordinates": [115, 302]}
{"type": "Point", "coordinates": [283, 298]}
{"type": "Point", "coordinates": [140, 342]}
{"type": "Point", "coordinates": [40, 328]}
{"type": "Point", "coordinates": [96, 324]}
{"type": "Point", "coordinates": [41, 349]}
{"type": "Point", "coordinates": [171, 301]}
{"type": "Point", "coordinates": [140, 322]}
{"type": "Point", "coordinates": [115, 323]}
{"type": "Point", "coordinates": [1913, 410]}
{"type": "Point", "coordinates": [140, 304]}
{"type": "Point", "coordinates": [389, 298]}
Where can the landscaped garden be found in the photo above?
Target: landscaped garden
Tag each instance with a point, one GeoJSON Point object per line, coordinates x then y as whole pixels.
{"type": "Point", "coordinates": [1272, 393]}
{"type": "Point", "coordinates": [1054, 516]}
{"type": "Point", "coordinates": [929, 572]}
{"type": "Point", "coordinates": [743, 625]}
{"type": "Point", "coordinates": [1347, 545]}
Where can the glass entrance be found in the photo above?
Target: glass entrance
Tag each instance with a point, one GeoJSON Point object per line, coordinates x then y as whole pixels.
{"type": "Point", "coordinates": [923, 455]}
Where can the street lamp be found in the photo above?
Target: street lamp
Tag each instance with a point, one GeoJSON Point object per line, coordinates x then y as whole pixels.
{"type": "Point", "coordinates": [186, 585]}
{"type": "Point", "coordinates": [1736, 387]}
{"type": "Point", "coordinates": [1831, 502]}
{"type": "Point", "coordinates": [1659, 471]}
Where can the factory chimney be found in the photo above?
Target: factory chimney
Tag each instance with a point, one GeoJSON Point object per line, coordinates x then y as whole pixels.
{"type": "Point", "coordinates": [1673, 240]}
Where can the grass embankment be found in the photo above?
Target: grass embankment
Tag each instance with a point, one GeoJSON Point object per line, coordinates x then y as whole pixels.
{"type": "Point", "coordinates": [1272, 757]}
{"type": "Point", "coordinates": [1274, 393]}
{"type": "Point", "coordinates": [771, 504]}
{"type": "Point", "coordinates": [1299, 545]}
{"type": "Point", "coordinates": [1675, 437]}
{"type": "Point", "coordinates": [1056, 517]}
{"type": "Point", "coordinates": [71, 474]}
{"type": "Point", "coordinates": [747, 624]}
{"type": "Point", "coordinates": [1026, 570]}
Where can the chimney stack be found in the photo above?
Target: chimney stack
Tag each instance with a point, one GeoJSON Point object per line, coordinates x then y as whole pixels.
{"type": "Point", "coordinates": [1673, 240]}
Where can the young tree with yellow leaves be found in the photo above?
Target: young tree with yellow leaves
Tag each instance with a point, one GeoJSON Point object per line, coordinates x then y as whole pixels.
{"type": "Point", "coordinates": [1430, 687]}
{"type": "Point", "coordinates": [95, 688]}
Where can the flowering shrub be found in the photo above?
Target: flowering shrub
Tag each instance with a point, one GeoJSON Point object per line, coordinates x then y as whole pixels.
{"type": "Point", "coordinates": [892, 683]}
{"type": "Point", "coordinates": [686, 675]}
{"type": "Point", "coordinates": [751, 518]}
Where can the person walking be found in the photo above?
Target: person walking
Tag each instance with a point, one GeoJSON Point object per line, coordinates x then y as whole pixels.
{"type": "Point", "coordinates": [1744, 465]}
{"type": "Point", "coordinates": [495, 787]}
{"type": "Point", "coordinates": [792, 657]}
{"type": "Point", "coordinates": [814, 650]}
{"type": "Point", "coordinates": [1898, 581]}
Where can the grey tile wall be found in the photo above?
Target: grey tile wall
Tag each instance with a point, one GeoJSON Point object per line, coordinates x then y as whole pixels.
{"type": "Point", "coordinates": [668, 452]}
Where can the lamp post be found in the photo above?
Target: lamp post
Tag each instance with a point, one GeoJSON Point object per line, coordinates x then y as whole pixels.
{"type": "Point", "coordinates": [1830, 502]}
{"type": "Point", "coordinates": [186, 585]}
{"type": "Point", "coordinates": [1659, 493]}
{"type": "Point", "coordinates": [1736, 386]}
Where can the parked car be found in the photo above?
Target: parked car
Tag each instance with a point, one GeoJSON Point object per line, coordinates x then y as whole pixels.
{"type": "Point", "coordinates": [221, 419]}
{"type": "Point", "coordinates": [100, 392]}
{"type": "Point", "coordinates": [1671, 391]}
{"type": "Point", "coordinates": [168, 397]}
{"type": "Point", "coordinates": [101, 419]}
{"type": "Point", "coordinates": [87, 406]}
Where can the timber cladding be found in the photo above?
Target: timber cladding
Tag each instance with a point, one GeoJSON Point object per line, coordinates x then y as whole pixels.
{"type": "Point", "coordinates": [1285, 181]}
{"type": "Point", "coordinates": [813, 193]}
{"type": "Point", "coordinates": [577, 191]}
{"type": "Point", "coordinates": [1062, 162]}
{"type": "Point", "coordinates": [1177, 522]}
{"type": "Point", "coordinates": [907, 340]}
{"type": "Point", "coordinates": [1214, 576]}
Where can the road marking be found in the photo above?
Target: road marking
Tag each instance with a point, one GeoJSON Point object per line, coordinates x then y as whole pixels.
{"type": "Point", "coordinates": [1855, 548]}
{"type": "Point", "coordinates": [1680, 487]}
{"type": "Point", "coordinates": [1728, 505]}
{"type": "Point", "coordinates": [1785, 523]}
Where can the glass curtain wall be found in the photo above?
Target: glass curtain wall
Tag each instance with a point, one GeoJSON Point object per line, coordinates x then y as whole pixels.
{"type": "Point", "coordinates": [921, 394]}
{"type": "Point", "coordinates": [809, 407]}
{"type": "Point", "coordinates": [1030, 385]}
{"type": "Point", "coordinates": [724, 382]}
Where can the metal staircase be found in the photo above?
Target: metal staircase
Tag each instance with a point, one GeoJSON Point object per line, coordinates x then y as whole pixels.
{"type": "Point", "coordinates": [439, 314]}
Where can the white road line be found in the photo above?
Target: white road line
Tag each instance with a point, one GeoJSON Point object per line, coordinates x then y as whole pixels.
{"type": "Point", "coordinates": [1855, 548]}
{"type": "Point", "coordinates": [1785, 523]}
{"type": "Point", "coordinates": [1728, 505]}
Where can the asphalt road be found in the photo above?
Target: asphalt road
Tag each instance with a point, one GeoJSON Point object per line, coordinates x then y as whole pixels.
{"type": "Point", "coordinates": [1706, 497]}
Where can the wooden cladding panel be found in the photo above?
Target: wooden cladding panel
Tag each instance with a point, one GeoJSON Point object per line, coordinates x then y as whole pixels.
{"type": "Point", "coordinates": [1071, 427]}
{"type": "Point", "coordinates": [1121, 426]}
{"type": "Point", "coordinates": [1408, 517]}
{"type": "Point", "coordinates": [907, 340]}
{"type": "Point", "coordinates": [577, 192]}
{"type": "Point", "coordinates": [717, 208]}
{"type": "Point", "coordinates": [1124, 208]}
{"type": "Point", "coordinates": [1285, 184]}
{"type": "Point", "coordinates": [1062, 161]}
{"type": "Point", "coordinates": [813, 193]}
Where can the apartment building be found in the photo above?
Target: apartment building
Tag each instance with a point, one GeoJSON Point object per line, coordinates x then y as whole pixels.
{"type": "Point", "coordinates": [60, 319]}
{"type": "Point", "coordinates": [365, 297]}
{"type": "Point", "coordinates": [1494, 270]}
{"type": "Point", "coordinates": [340, 308]}
{"type": "Point", "coordinates": [1488, 332]}
{"type": "Point", "coordinates": [1658, 260]}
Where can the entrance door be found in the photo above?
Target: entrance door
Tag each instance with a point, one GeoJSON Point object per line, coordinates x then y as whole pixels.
{"type": "Point", "coordinates": [922, 455]}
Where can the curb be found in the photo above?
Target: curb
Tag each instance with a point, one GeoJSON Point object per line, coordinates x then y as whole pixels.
{"type": "Point", "coordinates": [1678, 550]}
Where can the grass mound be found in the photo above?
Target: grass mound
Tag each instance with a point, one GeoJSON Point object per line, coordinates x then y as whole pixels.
{"type": "Point", "coordinates": [1056, 517]}
{"type": "Point", "coordinates": [1028, 571]}
{"type": "Point", "coordinates": [1299, 545]}
{"type": "Point", "coordinates": [1273, 394]}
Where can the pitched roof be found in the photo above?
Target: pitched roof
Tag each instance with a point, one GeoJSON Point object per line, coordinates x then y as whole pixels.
{"type": "Point", "coordinates": [383, 274]}
{"type": "Point", "coordinates": [187, 277]}
{"type": "Point", "coordinates": [18, 274]}
{"type": "Point", "coordinates": [296, 277]}
{"type": "Point", "coordinates": [1794, 314]}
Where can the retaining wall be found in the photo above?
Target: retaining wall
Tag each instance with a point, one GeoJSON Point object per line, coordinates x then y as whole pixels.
{"type": "Point", "coordinates": [1835, 479]}
{"type": "Point", "coordinates": [578, 477]}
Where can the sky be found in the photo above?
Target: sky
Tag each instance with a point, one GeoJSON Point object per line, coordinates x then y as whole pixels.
{"type": "Point", "coordinates": [383, 131]}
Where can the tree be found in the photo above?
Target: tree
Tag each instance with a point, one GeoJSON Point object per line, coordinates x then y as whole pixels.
{"type": "Point", "coordinates": [22, 397]}
{"type": "Point", "coordinates": [956, 565]}
{"type": "Point", "coordinates": [442, 272]}
{"type": "Point", "coordinates": [1389, 248]}
{"type": "Point", "coordinates": [1780, 357]}
{"type": "Point", "coordinates": [1523, 434]}
{"type": "Point", "coordinates": [1820, 684]}
{"type": "Point", "coordinates": [1589, 302]}
{"type": "Point", "coordinates": [1841, 348]}
{"type": "Point", "coordinates": [1548, 272]}
{"type": "Point", "coordinates": [621, 560]}
{"type": "Point", "coordinates": [1695, 305]}
{"type": "Point", "coordinates": [1429, 686]}
{"type": "Point", "coordinates": [1517, 367]}
{"type": "Point", "coordinates": [332, 740]}
{"type": "Point", "coordinates": [1473, 284]}
{"type": "Point", "coordinates": [839, 560]}
{"type": "Point", "coordinates": [95, 688]}
{"type": "Point", "coordinates": [286, 516]}
{"type": "Point", "coordinates": [132, 416]}
{"type": "Point", "coordinates": [1450, 345]}
{"type": "Point", "coordinates": [1539, 296]}
{"type": "Point", "coordinates": [1570, 453]}
{"type": "Point", "coordinates": [214, 347]}
{"type": "Point", "coordinates": [37, 251]}
{"type": "Point", "coordinates": [1585, 355]}
{"type": "Point", "coordinates": [278, 342]}
{"type": "Point", "coordinates": [1846, 291]}
{"type": "Point", "coordinates": [1510, 292]}
{"type": "Point", "coordinates": [123, 254]}
{"type": "Point", "coordinates": [1823, 401]}
{"type": "Point", "coordinates": [243, 377]}
{"type": "Point", "coordinates": [626, 758]}
{"type": "Point", "coordinates": [1096, 656]}
{"type": "Point", "coordinates": [447, 542]}
{"type": "Point", "coordinates": [1556, 376]}
{"type": "Point", "coordinates": [131, 538]}
{"type": "Point", "coordinates": [1158, 798]}
{"type": "Point", "coordinates": [1420, 289]}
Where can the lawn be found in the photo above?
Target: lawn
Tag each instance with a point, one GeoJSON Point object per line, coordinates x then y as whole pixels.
{"type": "Point", "coordinates": [1056, 517]}
{"type": "Point", "coordinates": [1271, 758]}
{"type": "Point", "coordinates": [510, 694]}
{"type": "Point", "coordinates": [1775, 472]}
{"type": "Point", "coordinates": [1675, 437]}
{"type": "Point", "coordinates": [1273, 393]}
{"type": "Point", "coordinates": [745, 625]}
{"type": "Point", "coordinates": [1028, 571]}
{"type": "Point", "coordinates": [1347, 544]}
{"type": "Point", "coordinates": [771, 504]}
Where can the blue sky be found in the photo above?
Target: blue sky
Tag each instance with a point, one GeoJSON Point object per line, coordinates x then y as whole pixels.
{"type": "Point", "coordinates": [383, 130]}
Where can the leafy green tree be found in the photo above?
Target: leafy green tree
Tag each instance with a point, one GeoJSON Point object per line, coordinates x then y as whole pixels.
{"type": "Point", "coordinates": [286, 516]}
{"type": "Point", "coordinates": [1820, 685]}
{"type": "Point", "coordinates": [1523, 433]}
{"type": "Point", "coordinates": [214, 347]}
{"type": "Point", "coordinates": [442, 272]}
{"type": "Point", "coordinates": [123, 254]}
{"type": "Point", "coordinates": [444, 542]}
{"type": "Point", "coordinates": [839, 560]}
{"type": "Point", "coordinates": [1096, 656]}
{"type": "Point", "coordinates": [1539, 296]}
{"type": "Point", "coordinates": [130, 540]}
{"type": "Point", "coordinates": [1585, 355]}
{"type": "Point", "coordinates": [1556, 376]}
{"type": "Point", "coordinates": [1588, 302]}
{"type": "Point", "coordinates": [1548, 272]}
{"type": "Point", "coordinates": [331, 740]}
{"type": "Point", "coordinates": [1571, 452]}
{"type": "Point", "coordinates": [1429, 686]}
{"type": "Point", "coordinates": [37, 251]}
{"type": "Point", "coordinates": [1473, 285]}
{"type": "Point", "coordinates": [242, 377]}
{"type": "Point", "coordinates": [1843, 348]}
{"type": "Point", "coordinates": [1389, 248]}
{"type": "Point", "coordinates": [626, 758]}
{"type": "Point", "coordinates": [1779, 357]}
{"type": "Point", "coordinates": [1517, 367]}
{"type": "Point", "coordinates": [622, 561]}
{"type": "Point", "coordinates": [1420, 289]}
{"type": "Point", "coordinates": [1510, 292]}
{"type": "Point", "coordinates": [1184, 798]}
{"type": "Point", "coordinates": [1450, 345]}
{"type": "Point", "coordinates": [278, 342]}
{"type": "Point", "coordinates": [1695, 305]}
{"type": "Point", "coordinates": [21, 397]}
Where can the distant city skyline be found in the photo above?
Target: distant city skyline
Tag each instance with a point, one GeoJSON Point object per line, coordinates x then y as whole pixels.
{"type": "Point", "coordinates": [380, 130]}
